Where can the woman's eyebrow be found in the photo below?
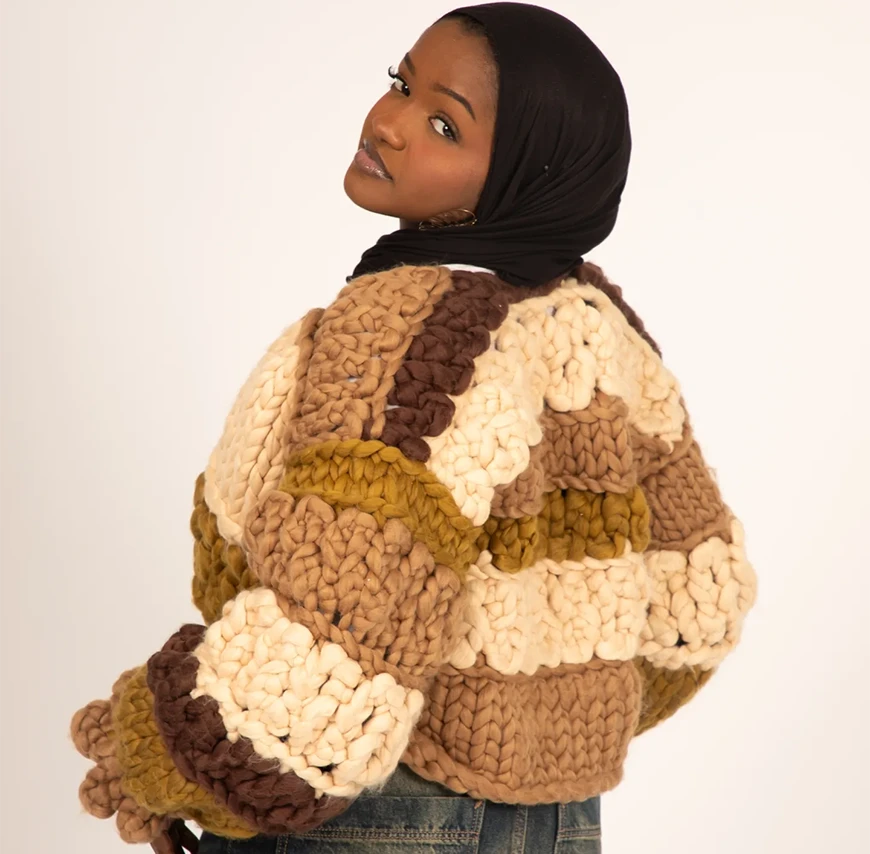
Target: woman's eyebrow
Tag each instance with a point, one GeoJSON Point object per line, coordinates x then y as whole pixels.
{"type": "Point", "coordinates": [437, 87]}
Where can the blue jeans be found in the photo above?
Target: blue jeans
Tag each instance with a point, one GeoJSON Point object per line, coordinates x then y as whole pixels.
{"type": "Point", "coordinates": [411, 815]}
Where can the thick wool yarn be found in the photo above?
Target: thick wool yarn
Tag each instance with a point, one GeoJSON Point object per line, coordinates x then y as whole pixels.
{"type": "Point", "coordinates": [450, 522]}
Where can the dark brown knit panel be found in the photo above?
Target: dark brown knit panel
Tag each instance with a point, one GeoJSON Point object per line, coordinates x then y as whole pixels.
{"type": "Point", "coordinates": [247, 784]}
{"type": "Point", "coordinates": [439, 363]}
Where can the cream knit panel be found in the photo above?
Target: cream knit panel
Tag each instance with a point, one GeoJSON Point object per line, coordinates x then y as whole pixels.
{"type": "Point", "coordinates": [303, 703]}
{"type": "Point", "coordinates": [552, 350]}
{"type": "Point", "coordinates": [698, 602]}
{"type": "Point", "coordinates": [248, 460]}
{"type": "Point", "coordinates": [552, 613]}
{"type": "Point", "coordinates": [673, 608]}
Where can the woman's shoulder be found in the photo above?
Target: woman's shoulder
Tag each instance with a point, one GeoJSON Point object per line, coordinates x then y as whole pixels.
{"type": "Point", "coordinates": [582, 296]}
{"type": "Point", "coordinates": [591, 274]}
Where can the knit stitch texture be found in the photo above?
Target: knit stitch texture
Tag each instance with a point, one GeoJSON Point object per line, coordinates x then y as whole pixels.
{"type": "Point", "coordinates": [450, 522]}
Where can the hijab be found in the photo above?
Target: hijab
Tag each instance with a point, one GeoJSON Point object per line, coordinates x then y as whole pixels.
{"type": "Point", "coordinates": [559, 160]}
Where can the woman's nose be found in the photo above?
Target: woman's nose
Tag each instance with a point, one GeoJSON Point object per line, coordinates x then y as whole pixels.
{"type": "Point", "coordinates": [387, 127]}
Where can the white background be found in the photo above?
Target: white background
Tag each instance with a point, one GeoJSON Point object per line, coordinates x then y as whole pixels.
{"type": "Point", "coordinates": [172, 198]}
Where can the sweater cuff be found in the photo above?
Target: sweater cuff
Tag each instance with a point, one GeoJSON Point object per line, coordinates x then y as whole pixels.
{"type": "Point", "coordinates": [284, 727]}
{"type": "Point", "coordinates": [134, 779]}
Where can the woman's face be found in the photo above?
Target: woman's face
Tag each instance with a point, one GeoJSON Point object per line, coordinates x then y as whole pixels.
{"type": "Point", "coordinates": [435, 148]}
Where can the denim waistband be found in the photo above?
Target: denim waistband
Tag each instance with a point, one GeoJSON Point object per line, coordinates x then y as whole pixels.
{"type": "Point", "coordinates": [403, 782]}
{"type": "Point", "coordinates": [410, 815]}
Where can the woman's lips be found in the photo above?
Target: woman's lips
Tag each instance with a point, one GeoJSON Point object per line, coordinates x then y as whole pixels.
{"type": "Point", "coordinates": [371, 164]}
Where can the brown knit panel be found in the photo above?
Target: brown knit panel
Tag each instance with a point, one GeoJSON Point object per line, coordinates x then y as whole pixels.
{"type": "Point", "coordinates": [572, 525]}
{"type": "Point", "coordinates": [591, 274]}
{"type": "Point", "coordinates": [652, 454]}
{"type": "Point", "coordinates": [248, 785]}
{"type": "Point", "coordinates": [685, 504]}
{"type": "Point", "coordinates": [378, 588]}
{"type": "Point", "coordinates": [587, 449]}
{"type": "Point", "coordinates": [358, 347]}
{"type": "Point", "coordinates": [524, 495]}
{"type": "Point", "coordinates": [91, 730]}
{"type": "Point", "coordinates": [685, 509]}
{"type": "Point", "coordinates": [440, 361]}
{"type": "Point", "coordinates": [559, 736]}
{"type": "Point", "coordinates": [102, 792]}
{"type": "Point", "coordinates": [665, 690]}
{"type": "Point", "coordinates": [220, 570]}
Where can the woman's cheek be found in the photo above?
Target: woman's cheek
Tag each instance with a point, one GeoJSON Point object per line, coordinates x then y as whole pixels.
{"type": "Point", "coordinates": [445, 180]}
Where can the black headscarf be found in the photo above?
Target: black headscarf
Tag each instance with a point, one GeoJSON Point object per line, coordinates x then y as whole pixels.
{"type": "Point", "coordinates": [559, 161]}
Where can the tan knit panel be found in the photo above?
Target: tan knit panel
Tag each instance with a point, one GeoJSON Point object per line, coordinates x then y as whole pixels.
{"type": "Point", "coordinates": [586, 449]}
{"type": "Point", "coordinates": [589, 448]}
{"type": "Point", "coordinates": [651, 454]}
{"type": "Point", "coordinates": [560, 736]}
{"type": "Point", "coordinates": [358, 347]}
{"type": "Point", "coordinates": [701, 584]}
{"type": "Point", "coordinates": [686, 506]}
{"type": "Point", "coordinates": [524, 495]}
{"type": "Point", "coordinates": [370, 585]}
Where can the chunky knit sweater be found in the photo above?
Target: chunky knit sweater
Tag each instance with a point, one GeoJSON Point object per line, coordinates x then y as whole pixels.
{"type": "Point", "coordinates": [452, 523]}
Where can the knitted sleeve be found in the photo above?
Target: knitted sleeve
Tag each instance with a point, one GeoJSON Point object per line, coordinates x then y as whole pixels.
{"type": "Point", "coordinates": [326, 572]}
{"type": "Point", "coordinates": [700, 583]}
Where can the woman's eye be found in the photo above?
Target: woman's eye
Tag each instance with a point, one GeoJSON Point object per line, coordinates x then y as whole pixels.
{"type": "Point", "coordinates": [402, 85]}
{"type": "Point", "coordinates": [447, 130]}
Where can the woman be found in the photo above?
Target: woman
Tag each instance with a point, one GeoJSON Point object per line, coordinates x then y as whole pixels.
{"type": "Point", "coordinates": [458, 544]}
{"type": "Point", "coordinates": [528, 148]}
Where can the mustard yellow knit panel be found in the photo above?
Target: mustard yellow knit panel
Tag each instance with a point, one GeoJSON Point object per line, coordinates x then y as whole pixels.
{"type": "Point", "coordinates": [220, 570]}
{"type": "Point", "coordinates": [665, 690]}
{"type": "Point", "coordinates": [149, 774]}
{"type": "Point", "coordinates": [572, 525]}
{"type": "Point", "coordinates": [380, 480]}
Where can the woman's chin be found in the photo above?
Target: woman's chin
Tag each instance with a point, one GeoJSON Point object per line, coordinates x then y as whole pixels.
{"type": "Point", "coordinates": [368, 192]}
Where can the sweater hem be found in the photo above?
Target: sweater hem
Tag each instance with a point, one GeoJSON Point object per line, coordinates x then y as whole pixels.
{"type": "Point", "coordinates": [431, 762]}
